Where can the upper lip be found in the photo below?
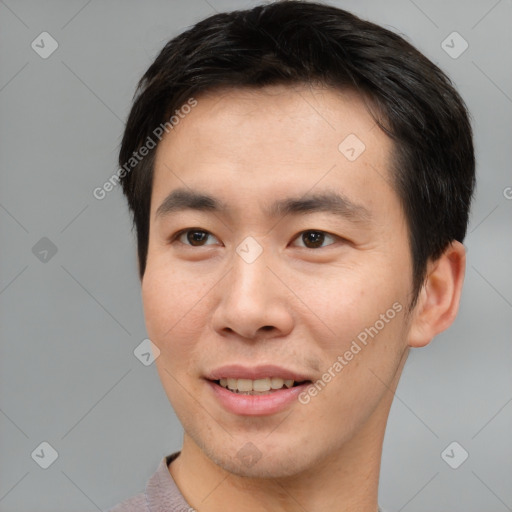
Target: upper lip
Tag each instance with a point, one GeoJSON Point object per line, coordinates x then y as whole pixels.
{"type": "Point", "coordinates": [237, 371]}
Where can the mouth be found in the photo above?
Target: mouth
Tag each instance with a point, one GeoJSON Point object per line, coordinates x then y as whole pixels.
{"type": "Point", "coordinates": [259, 390]}
{"type": "Point", "coordinates": [260, 397]}
{"type": "Point", "coordinates": [263, 386]}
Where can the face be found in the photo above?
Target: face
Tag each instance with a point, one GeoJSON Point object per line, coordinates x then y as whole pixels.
{"type": "Point", "coordinates": [278, 251]}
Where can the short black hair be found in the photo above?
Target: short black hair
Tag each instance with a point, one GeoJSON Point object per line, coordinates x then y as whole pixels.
{"type": "Point", "coordinates": [299, 42]}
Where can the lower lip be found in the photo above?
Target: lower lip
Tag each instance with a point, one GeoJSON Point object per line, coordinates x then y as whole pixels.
{"type": "Point", "coordinates": [256, 405]}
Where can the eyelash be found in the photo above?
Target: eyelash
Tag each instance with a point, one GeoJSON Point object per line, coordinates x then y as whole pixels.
{"type": "Point", "coordinates": [178, 235]}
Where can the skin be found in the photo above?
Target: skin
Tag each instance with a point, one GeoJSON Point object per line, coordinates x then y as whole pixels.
{"type": "Point", "coordinates": [295, 306]}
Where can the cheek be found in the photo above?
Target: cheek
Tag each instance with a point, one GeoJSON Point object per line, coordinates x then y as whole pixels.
{"type": "Point", "coordinates": [171, 307]}
{"type": "Point", "coordinates": [347, 300]}
{"type": "Point", "coordinates": [174, 321]}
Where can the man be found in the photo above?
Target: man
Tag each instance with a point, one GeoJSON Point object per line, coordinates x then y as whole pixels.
{"type": "Point", "coordinates": [300, 181]}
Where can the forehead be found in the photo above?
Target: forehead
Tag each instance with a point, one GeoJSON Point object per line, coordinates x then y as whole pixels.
{"type": "Point", "coordinates": [264, 143]}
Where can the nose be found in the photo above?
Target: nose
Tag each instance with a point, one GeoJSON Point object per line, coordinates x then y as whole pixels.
{"type": "Point", "coordinates": [252, 302]}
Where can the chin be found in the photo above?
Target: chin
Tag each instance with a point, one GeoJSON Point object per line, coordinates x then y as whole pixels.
{"type": "Point", "coordinates": [258, 459]}
{"type": "Point", "coordinates": [266, 467]}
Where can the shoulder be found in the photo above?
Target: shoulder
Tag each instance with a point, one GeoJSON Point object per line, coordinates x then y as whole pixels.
{"type": "Point", "coordinates": [160, 491]}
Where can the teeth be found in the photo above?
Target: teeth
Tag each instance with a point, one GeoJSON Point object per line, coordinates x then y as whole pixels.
{"type": "Point", "coordinates": [277, 383]}
{"type": "Point", "coordinates": [261, 385]}
{"type": "Point", "coordinates": [258, 385]}
{"type": "Point", "coordinates": [244, 385]}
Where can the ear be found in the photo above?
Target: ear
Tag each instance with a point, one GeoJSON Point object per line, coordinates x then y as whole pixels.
{"type": "Point", "coordinates": [439, 298]}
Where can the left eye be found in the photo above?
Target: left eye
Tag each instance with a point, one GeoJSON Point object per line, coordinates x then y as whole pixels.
{"type": "Point", "coordinates": [314, 239]}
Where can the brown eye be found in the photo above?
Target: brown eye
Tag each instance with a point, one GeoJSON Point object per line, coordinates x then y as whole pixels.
{"type": "Point", "coordinates": [314, 239]}
{"type": "Point", "coordinates": [194, 237]}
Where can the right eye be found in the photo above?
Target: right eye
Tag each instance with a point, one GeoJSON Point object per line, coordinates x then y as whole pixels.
{"type": "Point", "coordinates": [194, 237]}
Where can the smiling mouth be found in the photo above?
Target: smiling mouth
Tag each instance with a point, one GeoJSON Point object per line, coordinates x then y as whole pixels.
{"type": "Point", "coordinates": [264, 386]}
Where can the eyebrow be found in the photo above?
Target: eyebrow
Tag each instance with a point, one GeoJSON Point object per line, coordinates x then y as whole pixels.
{"type": "Point", "coordinates": [330, 202]}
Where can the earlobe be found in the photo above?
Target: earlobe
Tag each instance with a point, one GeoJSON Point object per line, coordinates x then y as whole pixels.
{"type": "Point", "coordinates": [439, 297]}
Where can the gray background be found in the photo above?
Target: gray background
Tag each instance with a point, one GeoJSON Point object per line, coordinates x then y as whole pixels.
{"type": "Point", "coordinates": [71, 322]}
